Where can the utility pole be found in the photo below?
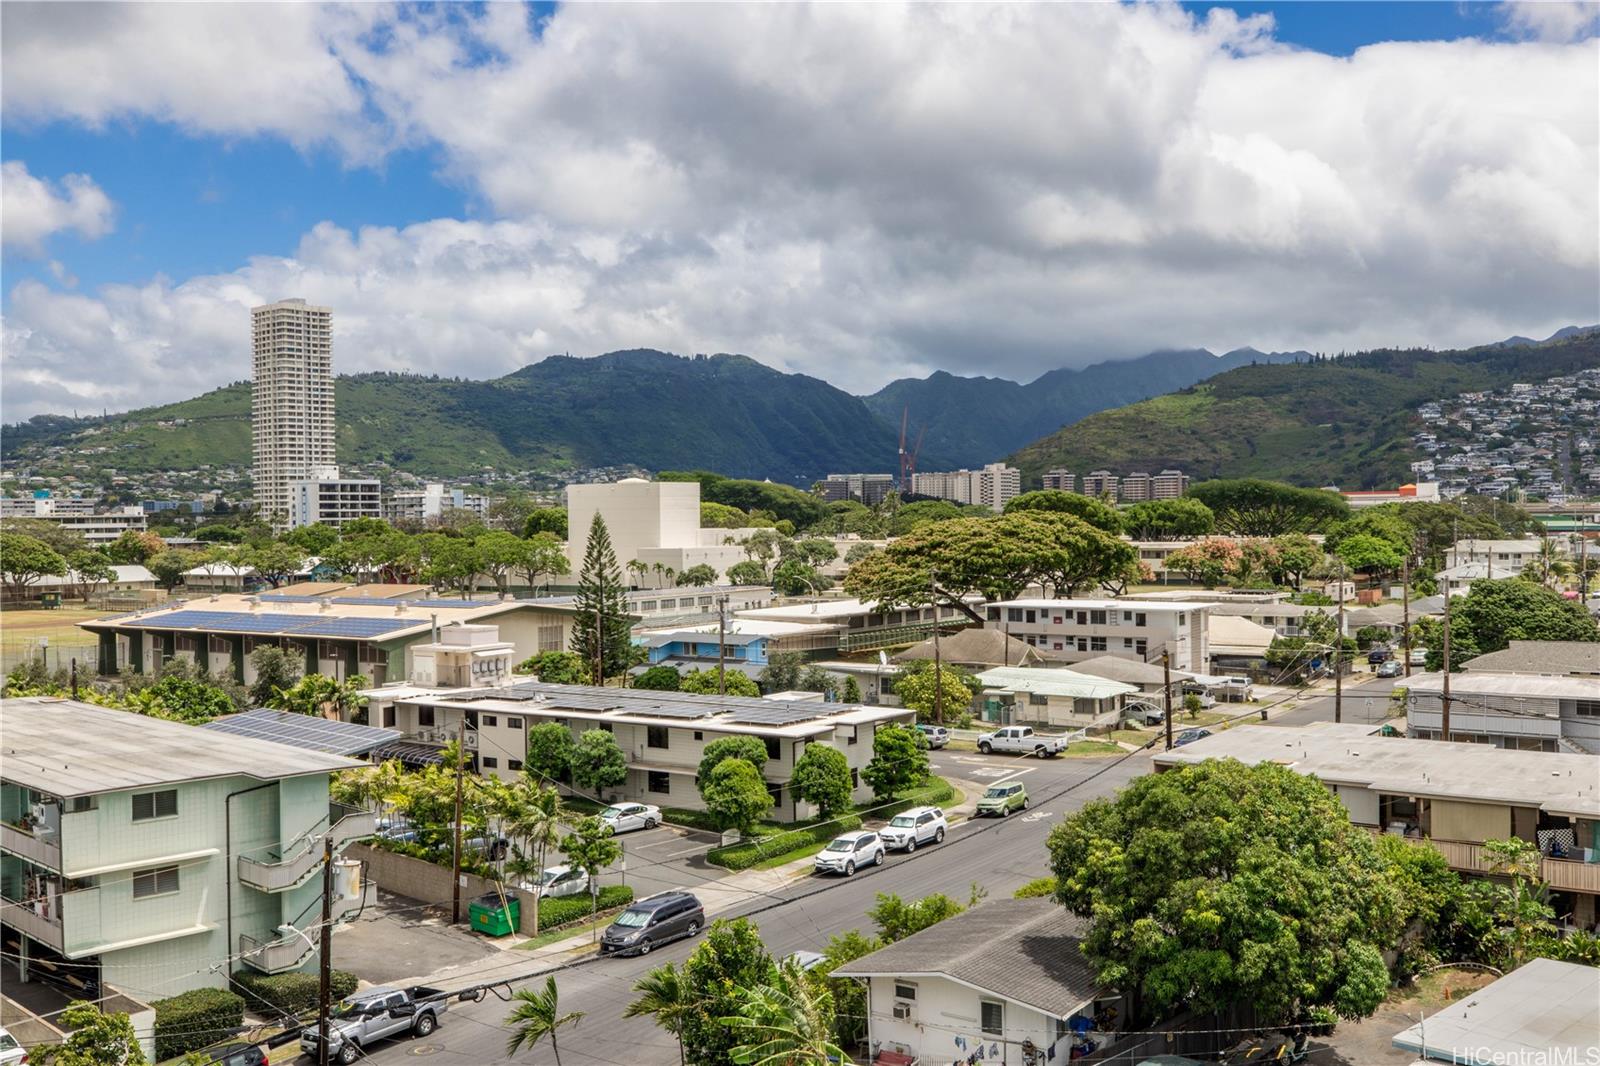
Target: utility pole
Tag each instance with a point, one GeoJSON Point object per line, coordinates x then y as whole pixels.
{"type": "Point", "coordinates": [1405, 609]}
{"type": "Point", "coordinates": [1444, 700]}
{"type": "Point", "coordinates": [325, 964]}
{"type": "Point", "coordinates": [455, 862]}
{"type": "Point", "coordinates": [1338, 655]}
{"type": "Point", "coordinates": [938, 663]}
{"type": "Point", "coordinates": [1166, 692]}
{"type": "Point", "coordinates": [722, 645]}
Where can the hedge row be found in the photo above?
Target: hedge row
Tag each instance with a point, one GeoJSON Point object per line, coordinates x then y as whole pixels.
{"type": "Point", "coordinates": [291, 993]}
{"type": "Point", "coordinates": [564, 909]}
{"type": "Point", "coordinates": [745, 855]}
{"type": "Point", "coordinates": [692, 819]}
{"type": "Point", "coordinates": [470, 864]}
{"type": "Point", "coordinates": [195, 1019]}
{"type": "Point", "coordinates": [935, 792]}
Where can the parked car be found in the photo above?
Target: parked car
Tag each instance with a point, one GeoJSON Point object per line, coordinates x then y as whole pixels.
{"type": "Point", "coordinates": [11, 1052]}
{"type": "Point", "coordinates": [919, 825]}
{"type": "Point", "coordinates": [1392, 668]}
{"type": "Point", "coordinates": [1021, 740]}
{"type": "Point", "coordinates": [558, 881]}
{"type": "Point", "coordinates": [1002, 799]}
{"type": "Point", "coordinates": [1189, 736]}
{"type": "Point", "coordinates": [1145, 714]}
{"type": "Point", "coordinates": [364, 1018]}
{"type": "Point", "coordinates": [491, 848]}
{"type": "Point", "coordinates": [845, 854]}
{"type": "Point", "coordinates": [622, 817]}
{"type": "Point", "coordinates": [806, 960]}
{"type": "Point", "coordinates": [1207, 700]}
{"type": "Point", "coordinates": [651, 922]}
{"type": "Point", "coordinates": [937, 736]}
{"type": "Point", "coordinates": [1419, 656]}
{"type": "Point", "coordinates": [235, 1054]}
{"type": "Point", "coordinates": [1378, 655]}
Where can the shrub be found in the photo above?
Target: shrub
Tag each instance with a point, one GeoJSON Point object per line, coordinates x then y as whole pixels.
{"type": "Point", "coordinates": [1039, 886]}
{"type": "Point", "coordinates": [935, 792]}
{"type": "Point", "coordinates": [290, 993]}
{"type": "Point", "coordinates": [195, 1019]}
{"type": "Point", "coordinates": [693, 819]}
{"type": "Point", "coordinates": [560, 911]}
{"type": "Point", "coordinates": [747, 854]}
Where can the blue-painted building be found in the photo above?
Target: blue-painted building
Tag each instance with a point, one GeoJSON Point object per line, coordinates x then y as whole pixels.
{"type": "Point", "coordinates": [700, 646]}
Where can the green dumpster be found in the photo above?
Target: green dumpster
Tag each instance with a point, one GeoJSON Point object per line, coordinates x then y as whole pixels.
{"type": "Point", "coordinates": [494, 916]}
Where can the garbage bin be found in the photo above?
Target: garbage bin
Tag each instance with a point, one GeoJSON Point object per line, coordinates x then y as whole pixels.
{"type": "Point", "coordinates": [494, 916]}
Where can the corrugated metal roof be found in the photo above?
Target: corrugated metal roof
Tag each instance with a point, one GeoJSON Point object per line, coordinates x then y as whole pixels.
{"type": "Point", "coordinates": [67, 748]}
{"type": "Point", "coordinates": [1023, 950]}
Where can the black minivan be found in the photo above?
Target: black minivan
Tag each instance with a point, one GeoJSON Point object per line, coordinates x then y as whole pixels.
{"type": "Point", "coordinates": [652, 922]}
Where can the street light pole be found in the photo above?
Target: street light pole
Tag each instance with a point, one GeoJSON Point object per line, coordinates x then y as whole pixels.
{"type": "Point", "coordinates": [325, 963]}
{"type": "Point", "coordinates": [455, 862]}
{"type": "Point", "coordinates": [1166, 692]}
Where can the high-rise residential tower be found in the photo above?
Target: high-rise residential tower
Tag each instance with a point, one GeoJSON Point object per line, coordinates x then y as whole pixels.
{"type": "Point", "coordinates": [291, 405]}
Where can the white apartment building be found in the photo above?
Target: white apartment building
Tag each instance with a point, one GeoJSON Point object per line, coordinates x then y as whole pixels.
{"type": "Point", "coordinates": [291, 401]}
{"type": "Point", "coordinates": [1064, 480]}
{"type": "Point", "coordinates": [993, 486]}
{"type": "Point", "coordinates": [1100, 483]}
{"type": "Point", "coordinates": [1502, 558]}
{"type": "Point", "coordinates": [1135, 488]}
{"type": "Point", "coordinates": [1070, 630]}
{"type": "Point", "coordinates": [870, 489]}
{"type": "Point", "coordinates": [326, 497]}
{"type": "Point", "coordinates": [431, 502]}
{"type": "Point", "coordinates": [651, 522]}
{"type": "Point", "coordinates": [1524, 711]}
{"type": "Point", "coordinates": [1169, 485]}
{"type": "Point", "coordinates": [77, 515]}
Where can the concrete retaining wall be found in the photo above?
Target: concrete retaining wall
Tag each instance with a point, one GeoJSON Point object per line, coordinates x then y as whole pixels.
{"type": "Point", "coordinates": [416, 879]}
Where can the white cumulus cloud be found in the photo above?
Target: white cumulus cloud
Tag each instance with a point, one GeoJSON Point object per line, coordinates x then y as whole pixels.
{"type": "Point", "coordinates": [859, 191]}
{"type": "Point", "coordinates": [31, 208]}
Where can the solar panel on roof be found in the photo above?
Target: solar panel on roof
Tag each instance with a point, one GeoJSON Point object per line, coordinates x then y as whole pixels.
{"type": "Point", "coordinates": [449, 603]}
{"type": "Point", "coordinates": [352, 627]}
{"type": "Point", "coordinates": [367, 601]}
{"type": "Point", "coordinates": [279, 597]}
{"type": "Point", "coordinates": [779, 714]}
{"type": "Point", "coordinates": [234, 621]}
{"type": "Point", "coordinates": [304, 732]}
{"type": "Point", "coordinates": [669, 710]}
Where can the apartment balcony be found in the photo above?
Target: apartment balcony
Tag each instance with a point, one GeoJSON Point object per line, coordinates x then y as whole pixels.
{"type": "Point", "coordinates": [39, 919]}
{"type": "Point", "coordinates": [295, 867]}
{"type": "Point", "coordinates": [1562, 875]}
{"type": "Point", "coordinates": [41, 849]}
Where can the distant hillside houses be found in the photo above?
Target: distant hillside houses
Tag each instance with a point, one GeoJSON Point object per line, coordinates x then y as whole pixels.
{"type": "Point", "coordinates": [1533, 440]}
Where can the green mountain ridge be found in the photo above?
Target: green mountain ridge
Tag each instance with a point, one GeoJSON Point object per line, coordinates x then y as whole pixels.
{"type": "Point", "coordinates": [1345, 421]}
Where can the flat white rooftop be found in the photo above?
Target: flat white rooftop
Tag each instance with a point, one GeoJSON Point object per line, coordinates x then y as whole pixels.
{"type": "Point", "coordinates": [1146, 606]}
{"type": "Point", "coordinates": [1347, 754]}
{"type": "Point", "coordinates": [67, 748]}
{"type": "Point", "coordinates": [1532, 686]}
{"type": "Point", "coordinates": [1544, 1011]}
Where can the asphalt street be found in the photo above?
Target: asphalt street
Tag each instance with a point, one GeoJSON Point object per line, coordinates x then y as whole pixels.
{"type": "Point", "coordinates": [997, 854]}
{"type": "Point", "coordinates": [1366, 699]}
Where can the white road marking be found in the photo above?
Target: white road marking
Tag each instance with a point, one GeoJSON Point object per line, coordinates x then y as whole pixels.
{"type": "Point", "coordinates": [1036, 816]}
{"type": "Point", "coordinates": [1006, 772]}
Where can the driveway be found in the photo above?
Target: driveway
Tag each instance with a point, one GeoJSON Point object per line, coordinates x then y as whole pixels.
{"type": "Point", "coordinates": [397, 938]}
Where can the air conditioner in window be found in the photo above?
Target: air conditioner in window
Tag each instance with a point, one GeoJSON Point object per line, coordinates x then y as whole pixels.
{"type": "Point", "coordinates": [902, 1011]}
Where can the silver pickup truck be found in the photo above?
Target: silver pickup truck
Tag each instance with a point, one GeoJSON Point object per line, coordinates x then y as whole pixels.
{"type": "Point", "coordinates": [1021, 740]}
{"type": "Point", "coordinates": [358, 1021]}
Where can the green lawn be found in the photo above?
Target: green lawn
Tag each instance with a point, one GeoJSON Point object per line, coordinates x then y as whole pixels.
{"type": "Point", "coordinates": [1092, 747]}
{"type": "Point", "coordinates": [563, 932]}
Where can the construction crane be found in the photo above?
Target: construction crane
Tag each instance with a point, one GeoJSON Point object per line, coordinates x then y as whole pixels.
{"type": "Point", "coordinates": [908, 459]}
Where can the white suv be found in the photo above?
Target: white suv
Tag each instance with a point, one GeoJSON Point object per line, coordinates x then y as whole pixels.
{"type": "Point", "coordinates": [848, 852]}
{"type": "Point", "coordinates": [919, 825]}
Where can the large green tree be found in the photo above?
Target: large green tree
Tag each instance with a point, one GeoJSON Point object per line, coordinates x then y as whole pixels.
{"type": "Point", "coordinates": [1254, 508]}
{"type": "Point", "coordinates": [24, 560]}
{"type": "Point", "coordinates": [735, 795]}
{"type": "Point", "coordinates": [1097, 513]}
{"type": "Point", "coordinates": [822, 778]}
{"type": "Point", "coordinates": [787, 1020]}
{"type": "Point", "coordinates": [926, 691]}
{"type": "Point", "coordinates": [597, 762]}
{"type": "Point", "coordinates": [993, 557]}
{"type": "Point", "coordinates": [1221, 883]}
{"type": "Point", "coordinates": [551, 520]}
{"type": "Point", "coordinates": [899, 761]}
{"type": "Point", "coordinates": [590, 847]}
{"type": "Point", "coordinates": [896, 919]}
{"type": "Point", "coordinates": [1494, 613]}
{"type": "Point", "coordinates": [730, 958]}
{"type": "Point", "coordinates": [1168, 519]}
{"type": "Point", "coordinates": [277, 562]}
{"type": "Point", "coordinates": [550, 747]}
{"type": "Point", "coordinates": [544, 556]}
{"type": "Point", "coordinates": [748, 748]}
{"type": "Point", "coordinates": [500, 555]}
{"type": "Point", "coordinates": [602, 630]}
{"type": "Point", "coordinates": [705, 682]}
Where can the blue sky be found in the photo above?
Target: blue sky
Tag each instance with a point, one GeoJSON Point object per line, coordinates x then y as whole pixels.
{"type": "Point", "coordinates": [858, 193]}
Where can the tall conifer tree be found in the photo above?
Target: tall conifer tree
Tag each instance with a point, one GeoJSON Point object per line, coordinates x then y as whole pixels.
{"type": "Point", "coordinates": [602, 632]}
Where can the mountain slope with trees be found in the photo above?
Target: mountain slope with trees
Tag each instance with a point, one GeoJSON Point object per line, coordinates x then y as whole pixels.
{"type": "Point", "coordinates": [1345, 420]}
{"type": "Point", "coordinates": [976, 420]}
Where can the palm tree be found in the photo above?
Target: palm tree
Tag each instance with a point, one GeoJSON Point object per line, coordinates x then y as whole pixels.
{"type": "Point", "coordinates": [662, 993]}
{"type": "Point", "coordinates": [536, 821]}
{"type": "Point", "coordinates": [638, 569]}
{"type": "Point", "coordinates": [537, 1015]}
{"type": "Point", "coordinates": [786, 1022]}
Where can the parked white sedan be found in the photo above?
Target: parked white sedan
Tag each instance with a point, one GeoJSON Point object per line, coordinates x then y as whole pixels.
{"type": "Point", "coordinates": [558, 881]}
{"type": "Point", "coordinates": [623, 817]}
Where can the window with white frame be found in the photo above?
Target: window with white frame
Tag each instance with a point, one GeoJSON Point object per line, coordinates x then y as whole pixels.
{"type": "Point", "coordinates": [161, 881]}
